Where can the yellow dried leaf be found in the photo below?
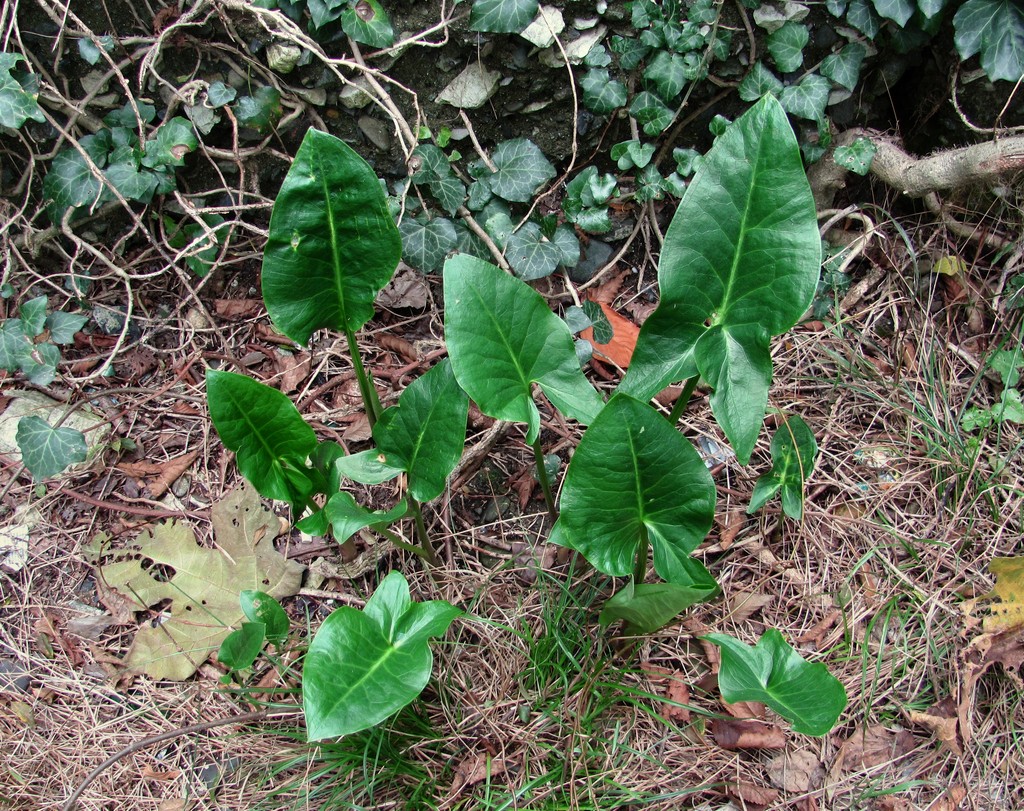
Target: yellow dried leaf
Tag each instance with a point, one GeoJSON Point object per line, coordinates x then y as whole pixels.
{"type": "Point", "coordinates": [950, 266]}
{"type": "Point", "coordinates": [1008, 613]}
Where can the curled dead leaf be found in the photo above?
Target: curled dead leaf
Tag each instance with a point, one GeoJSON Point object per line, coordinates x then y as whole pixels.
{"type": "Point", "coordinates": [619, 350]}
{"type": "Point", "coordinates": [750, 795]}
{"type": "Point", "coordinates": [943, 722]}
{"type": "Point", "coordinates": [476, 768]}
{"type": "Point", "coordinates": [796, 772]}
{"type": "Point", "coordinates": [733, 735]}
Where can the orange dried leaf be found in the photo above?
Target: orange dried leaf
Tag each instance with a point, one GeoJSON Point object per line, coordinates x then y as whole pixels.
{"type": "Point", "coordinates": [624, 334]}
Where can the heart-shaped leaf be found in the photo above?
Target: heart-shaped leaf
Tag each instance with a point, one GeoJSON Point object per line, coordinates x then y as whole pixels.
{"type": "Point", "coordinates": [793, 452]}
{"type": "Point", "coordinates": [241, 647]}
{"type": "Point", "coordinates": [367, 22]}
{"type": "Point", "coordinates": [601, 93]}
{"type": "Point", "coordinates": [996, 29]}
{"type": "Point", "coordinates": [258, 606]}
{"type": "Point", "coordinates": [646, 607]}
{"type": "Point", "coordinates": [808, 98]}
{"type": "Point", "coordinates": [270, 439]}
{"type": "Point", "coordinates": [740, 264]}
{"type": "Point", "coordinates": [530, 254]}
{"type": "Point", "coordinates": [805, 694]}
{"type": "Point", "coordinates": [843, 68]}
{"type": "Point", "coordinates": [45, 450]}
{"type": "Point", "coordinates": [634, 479]}
{"type": "Point", "coordinates": [362, 666]}
{"type": "Point", "coordinates": [897, 10]}
{"type": "Point", "coordinates": [425, 433]}
{"type": "Point", "coordinates": [347, 518]}
{"type": "Point", "coordinates": [17, 105]}
{"type": "Point", "coordinates": [502, 338]}
{"type": "Point", "coordinates": [759, 82]}
{"type": "Point", "coordinates": [332, 243]}
{"type": "Point", "coordinates": [786, 45]}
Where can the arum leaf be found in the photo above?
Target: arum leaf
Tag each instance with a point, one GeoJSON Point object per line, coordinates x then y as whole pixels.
{"type": "Point", "coordinates": [522, 169]}
{"type": "Point", "coordinates": [332, 244]}
{"type": "Point", "coordinates": [362, 666]}
{"type": "Point", "coordinates": [347, 518]}
{"type": "Point", "coordinates": [270, 439]}
{"type": "Point", "coordinates": [634, 479]}
{"type": "Point", "coordinates": [47, 451]}
{"type": "Point", "coordinates": [366, 467]}
{"type": "Point", "coordinates": [646, 607]}
{"type": "Point", "coordinates": [805, 694]}
{"type": "Point", "coordinates": [502, 338]}
{"type": "Point", "coordinates": [740, 264]}
{"type": "Point", "coordinates": [425, 433]}
{"type": "Point", "coordinates": [240, 648]}
{"type": "Point", "coordinates": [502, 16]}
{"type": "Point", "coordinates": [793, 452]}
{"type": "Point", "coordinates": [258, 606]}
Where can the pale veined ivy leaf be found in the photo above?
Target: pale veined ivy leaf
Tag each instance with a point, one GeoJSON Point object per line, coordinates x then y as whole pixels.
{"type": "Point", "coordinates": [367, 22]}
{"type": "Point", "coordinates": [502, 16]}
{"type": "Point", "coordinates": [631, 51]}
{"type": "Point", "coordinates": [602, 94]}
{"type": "Point", "coordinates": [667, 73]}
{"type": "Point", "coordinates": [17, 105]}
{"type": "Point", "coordinates": [995, 28]}
{"type": "Point", "coordinates": [173, 141]}
{"type": "Point", "coordinates": [70, 183]}
{"type": "Point", "coordinates": [522, 169]}
{"type": "Point", "coordinates": [449, 192]}
{"type": "Point", "coordinates": [568, 246]}
{"type": "Point", "coordinates": [808, 98]}
{"type": "Point", "coordinates": [857, 156]}
{"type": "Point", "coordinates": [843, 68]}
{"type": "Point", "coordinates": [649, 184]}
{"type": "Point", "coordinates": [929, 8]}
{"type": "Point", "coordinates": [433, 164]}
{"type": "Point", "coordinates": [786, 45]}
{"type": "Point", "coordinates": [651, 113]}
{"type": "Point", "coordinates": [530, 254]}
{"type": "Point", "coordinates": [130, 182]}
{"type": "Point", "coordinates": [897, 10]}
{"type": "Point", "coordinates": [220, 94]}
{"type": "Point", "coordinates": [63, 326]}
{"type": "Point", "coordinates": [33, 316]}
{"type": "Point", "coordinates": [758, 82]}
{"type": "Point", "coordinates": [426, 244]}
{"type": "Point", "coordinates": [629, 154]}
{"type": "Point", "coordinates": [47, 451]}
{"type": "Point", "coordinates": [15, 346]}
{"type": "Point", "coordinates": [862, 16]}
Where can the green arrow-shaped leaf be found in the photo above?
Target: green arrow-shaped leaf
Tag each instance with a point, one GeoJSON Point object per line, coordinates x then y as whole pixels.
{"type": "Point", "coordinates": [793, 452]}
{"type": "Point", "coordinates": [741, 259]}
{"type": "Point", "coordinates": [45, 450]}
{"type": "Point", "coordinates": [362, 666]}
{"type": "Point", "coordinates": [332, 244]}
{"type": "Point", "coordinates": [646, 607]}
{"type": "Point", "coordinates": [635, 479]}
{"type": "Point", "coordinates": [502, 338]}
{"type": "Point", "coordinates": [805, 694]}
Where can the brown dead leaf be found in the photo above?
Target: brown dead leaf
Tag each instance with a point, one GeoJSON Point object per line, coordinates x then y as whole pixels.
{"type": "Point", "coordinates": [401, 347]}
{"type": "Point", "coordinates": [675, 688]}
{"type": "Point", "coordinates": [892, 804]}
{"type": "Point", "coordinates": [742, 605]}
{"type": "Point", "coordinates": [237, 308]}
{"type": "Point", "coordinates": [820, 628]}
{"type": "Point", "coordinates": [750, 795]}
{"type": "Point", "coordinates": [796, 772]}
{"type": "Point", "coordinates": [985, 650]}
{"type": "Point", "coordinates": [951, 799]}
{"type": "Point", "coordinates": [358, 430]}
{"type": "Point", "coordinates": [733, 735]}
{"type": "Point", "coordinates": [943, 722]}
{"type": "Point", "coordinates": [408, 290]}
{"type": "Point", "coordinates": [476, 768]}
{"type": "Point", "coordinates": [293, 368]}
{"type": "Point", "coordinates": [162, 776]}
{"type": "Point", "coordinates": [1008, 612]}
{"type": "Point", "coordinates": [619, 350]}
{"type": "Point", "coordinates": [729, 527]}
{"type": "Point", "coordinates": [609, 289]}
{"type": "Point", "coordinates": [166, 472]}
{"type": "Point", "coordinates": [744, 709]}
{"type": "Point", "coordinates": [872, 747]}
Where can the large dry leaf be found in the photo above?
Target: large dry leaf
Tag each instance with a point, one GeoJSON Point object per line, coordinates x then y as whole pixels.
{"type": "Point", "coordinates": [731, 734]}
{"type": "Point", "coordinates": [872, 747]}
{"type": "Point", "coordinates": [197, 588]}
{"type": "Point", "coordinates": [796, 772]}
{"type": "Point", "coordinates": [1009, 611]}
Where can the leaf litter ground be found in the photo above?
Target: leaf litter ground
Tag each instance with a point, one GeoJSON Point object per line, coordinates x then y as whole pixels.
{"type": "Point", "coordinates": [531, 701]}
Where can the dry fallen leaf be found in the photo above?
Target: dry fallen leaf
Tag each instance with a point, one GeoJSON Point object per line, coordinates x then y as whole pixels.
{"type": "Point", "coordinates": [293, 367]}
{"type": "Point", "coordinates": [874, 746]}
{"type": "Point", "coordinates": [401, 347]}
{"type": "Point", "coordinates": [742, 605]}
{"type": "Point", "coordinates": [166, 472]}
{"type": "Point", "coordinates": [408, 290]}
{"type": "Point", "coordinates": [731, 734]}
{"type": "Point", "coordinates": [750, 795]}
{"type": "Point", "coordinates": [729, 527]}
{"type": "Point", "coordinates": [950, 800]}
{"type": "Point", "coordinates": [196, 587]}
{"type": "Point", "coordinates": [475, 769]}
{"type": "Point", "coordinates": [237, 307]}
{"type": "Point", "coordinates": [796, 772]}
{"type": "Point", "coordinates": [943, 722]}
{"type": "Point", "coordinates": [1009, 590]}
{"type": "Point", "coordinates": [160, 775]}
{"type": "Point", "coordinates": [619, 350]}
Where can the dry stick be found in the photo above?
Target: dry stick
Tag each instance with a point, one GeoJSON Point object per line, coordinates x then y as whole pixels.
{"type": "Point", "coordinates": [259, 715]}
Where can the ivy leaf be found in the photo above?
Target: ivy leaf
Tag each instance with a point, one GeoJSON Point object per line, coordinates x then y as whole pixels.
{"type": "Point", "coordinates": [603, 332]}
{"type": "Point", "coordinates": [426, 244]}
{"type": "Point", "coordinates": [650, 185]}
{"type": "Point", "coordinates": [47, 451]}
{"type": "Point", "coordinates": [433, 164]}
{"type": "Point", "coordinates": [173, 141]}
{"type": "Point", "coordinates": [808, 98]}
{"type": "Point", "coordinates": [449, 192]}
{"type": "Point", "coordinates": [843, 68]}
{"type": "Point", "coordinates": [687, 160]}
{"type": "Point", "coordinates": [522, 169]}
{"type": "Point", "coordinates": [568, 246]}
{"type": "Point", "coordinates": [40, 364]}
{"type": "Point", "coordinates": [786, 45]}
{"type": "Point", "coordinates": [322, 12]}
{"type": "Point", "coordinates": [333, 244]}
{"type": "Point", "coordinates": [759, 82]}
{"type": "Point", "coordinates": [33, 316]}
{"type": "Point", "coordinates": [900, 11]}
{"type": "Point", "coordinates": [667, 72]}
{"type": "Point", "coordinates": [502, 16]}
{"type": "Point", "coordinates": [270, 439]}
{"type": "Point", "coordinates": [530, 254]}
{"type": "Point", "coordinates": [130, 182]}
{"type": "Point", "coordinates": [69, 183]}
{"type": "Point", "coordinates": [362, 666]}
{"type": "Point", "coordinates": [996, 29]}
{"type": "Point", "coordinates": [63, 326]}
{"type": "Point", "coordinates": [502, 338]}
{"type": "Point", "coordinates": [220, 94]}
{"type": "Point", "coordinates": [862, 16]}
{"type": "Point", "coordinates": [17, 105]}
{"type": "Point", "coordinates": [629, 154]}
{"type": "Point", "coordinates": [631, 51]}
{"type": "Point", "coordinates": [261, 111]}
{"type": "Point", "coordinates": [634, 480]}
{"type": "Point", "coordinates": [367, 22]}
{"type": "Point", "coordinates": [929, 8]}
{"type": "Point", "coordinates": [15, 347]}
{"type": "Point", "coordinates": [857, 156]}
{"type": "Point", "coordinates": [601, 93]}
{"type": "Point", "coordinates": [805, 694]}
{"type": "Point", "coordinates": [793, 453]}
{"type": "Point", "coordinates": [650, 112]}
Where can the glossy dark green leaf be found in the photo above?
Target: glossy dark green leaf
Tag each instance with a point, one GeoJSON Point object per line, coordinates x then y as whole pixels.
{"type": "Point", "coordinates": [270, 439]}
{"type": "Point", "coordinates": [650, 112]}
{"type": "Point", "coordinates": [332, 244]}
{"type": "Point", "coordinates": [425, 244]}
{"type": "Point", "coordinates": [69, 183]}
{"type": "Point", "coordinates": [172, 142]}
{"type": "Point", "coordinates": [425, 433]}
{"type": "Point", "coordinates": [740, 264]}
{"type": "Point", "coordinates": [450, 193]}
{"type": "Point", "coordinates": [47, 451]}
{"type": "Point", "coordinates": [502, 338]}
{"type": "Point", "coordinates": [843, 68]}
{"type": "Point", "coordinates": [900, 11]}
{"type": "Point", "coordinates": [805, 694]}
{"type": "Point", "coordinates": [502, 16]}
{"type": "Point", "coordinates": [862, 16]}
{"type": "Point", "coordinates": [666, 72]}
{"type": "Point", "coordinates": [347, 518]}
{"type": "Point", "coordinates": [995, 28]}
{"type": "Point", "coordinates": [260, 607]}
{"type": "Point", "coordinates": [632, 479]}
{"type": "Point", "coordinates": [531, 255]}
{"type": "Point", "coordinates": [786, 45]}
{"type": "Point", "coordinates": [646, 607]}
{"type": "Point", "coordinates": [630, 154]}
{"type": "Point", "coordinates": [793, 453]}
{"type": "Point", "coordinates": [367, 22]}
{"type": "Point", "coordinates": [17, 105]}
{"type": "Point", "coordinates": [261, 111]}
{"type": "Point", "coordinates": [759, 82]}
{"type": "Point", "coordinates": [808, 98]}
{"type": "Point", "coordinates": [362, 666]}
{"type": "Point", "coordinates": [366, 467]}
{"type": "Point", "coordinates": [241, 647]}
{"type": "Point", "coordinates": [601, 93]}
{"type": "Point", "coordinates": [521, 170]}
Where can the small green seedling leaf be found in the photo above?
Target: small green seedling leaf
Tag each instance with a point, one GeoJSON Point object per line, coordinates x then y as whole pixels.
{"type": "Point", "coordinates": [630, 154]}
{"type": "Point", "coordinates": [856, 157]}
{"type": "Point", "coordinates": [425, 433]}
{"type": "Point", "coordinates": [794, 451]}
{"type": "Point", "coordinates": [772, 672]}
{"type": "Point", "coordinates": [241, 647]}
{"type": "Point", "coordinates": [17, 105]}
{"type": "Point", "coordinates": [367, 22]}
{"type": "Point", "coordinates": [363, 666]}
{"type": "Point", "coordinates": [740, 264]}
{"type": "Point", "coordinates": [47, 451]}
{"type": "Point", "coordinates": [270, 439]}
{"type": "Point", "coordinates": [366, 467]}
{"type": "Point", "coordinates": [332, 244]}
{"type": "Point", "coordinates": [258, 606]}
{"type": "Point", "coordinates": [634, 479]}
{"type": "Point", "coordinates": [646, 607]}
{"type": "Point", "coordinates": [502, 16]}
{"type": "Point", "coordinates": [502, 338]}
{"type": "Point", "coordinates": [347, 518]}
{"type": "Point", "coordinates": [650, 112]}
